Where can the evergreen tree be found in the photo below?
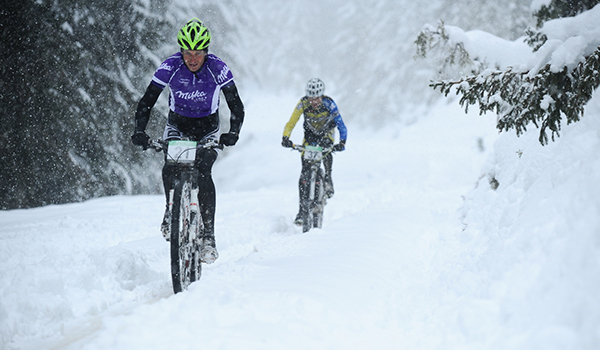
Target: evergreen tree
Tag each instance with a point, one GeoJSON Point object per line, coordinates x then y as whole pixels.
{"type": "Point", "coordinates": [562, 8]}
{"type": "Point", "coordinates": [66, 98]}
{"type": "Point", "coordinates": [544, 98]}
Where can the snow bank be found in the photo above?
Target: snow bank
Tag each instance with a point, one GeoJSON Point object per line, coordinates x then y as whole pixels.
{"type": "Point", "coordinates": [531, 247]}
{"type": "Point", "coordinates": [63, 264]}
{"type": "Point", "coordinates": [395, 265]}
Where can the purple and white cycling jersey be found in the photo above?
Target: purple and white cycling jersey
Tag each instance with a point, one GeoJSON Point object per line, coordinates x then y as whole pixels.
{"type": "Point", "coordinates": [193, 95]}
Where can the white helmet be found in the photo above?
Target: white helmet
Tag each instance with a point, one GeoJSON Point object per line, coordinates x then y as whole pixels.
{"type": "Point", "coordinates": [315, 87]}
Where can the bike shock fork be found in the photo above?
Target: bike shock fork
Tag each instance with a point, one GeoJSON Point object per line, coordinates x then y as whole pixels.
{"type": "Point", "coordinates": [194, 200]}
{"type": "Point", "coordinates": [313, 184]}
{"type": "Point", "coordinates": [171, 194]}
{"type": "Point", "coordinates": [195, 208]}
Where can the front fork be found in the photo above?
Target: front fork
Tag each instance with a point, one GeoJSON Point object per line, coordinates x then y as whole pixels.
{"type": "Point", "coordinates": [194, 209]}
{"type": "Point", "coordinates": [196, 218]}
{"type": "Point", "coordinates": [313, 185]}
{"type": "Point", "coordinates": [314, 197]}
{"type": "Point", "coordinates": [171, 194]}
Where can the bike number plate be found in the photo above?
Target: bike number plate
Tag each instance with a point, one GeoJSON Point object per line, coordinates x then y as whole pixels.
{"type": "Point", "coordinates": [312, 152]}
{"type": "Point", "coordinates": [181, 151]}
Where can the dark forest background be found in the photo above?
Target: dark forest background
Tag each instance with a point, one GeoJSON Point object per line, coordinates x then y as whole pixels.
{"type": "Point", "coordinates": [70, 77]}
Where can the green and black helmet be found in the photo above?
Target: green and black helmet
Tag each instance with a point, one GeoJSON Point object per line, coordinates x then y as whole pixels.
{"type": "Point", "coordinates": [193, 36]}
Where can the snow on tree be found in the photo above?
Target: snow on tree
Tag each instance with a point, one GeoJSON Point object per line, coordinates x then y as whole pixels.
{"type": "Point", "coordinates": [69, 77]}
{"type": "Point", "coordinates": [545, 10]}
{"type": "Point", "coordinates": [544, 85]}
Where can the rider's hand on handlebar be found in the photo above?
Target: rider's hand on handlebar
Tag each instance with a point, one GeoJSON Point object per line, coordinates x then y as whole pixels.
{"type": "Point", "coordinates": [340, 146]}
{"type": "Point", "coordinates": [229, 139]}
{"type": "Point", "coordinates": [140, 138]}
{"type": "Point", "coordinates": [286, 142]}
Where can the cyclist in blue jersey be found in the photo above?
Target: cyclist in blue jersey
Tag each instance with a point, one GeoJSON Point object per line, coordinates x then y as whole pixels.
{"type": "Point", "coordinates": [321, 117]}
{"type": "Point", "coordinates": [195, 79]}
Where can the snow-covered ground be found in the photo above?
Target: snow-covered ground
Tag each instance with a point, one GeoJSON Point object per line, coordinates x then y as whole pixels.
{"type": "Point", "coordinates": [416, 252]}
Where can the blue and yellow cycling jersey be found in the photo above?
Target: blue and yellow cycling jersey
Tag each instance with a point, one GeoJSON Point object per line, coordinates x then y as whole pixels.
{"type": "Point", "coordinates": [319, 121]}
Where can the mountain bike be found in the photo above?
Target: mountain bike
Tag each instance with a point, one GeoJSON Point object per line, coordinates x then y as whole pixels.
{"type": "Point", "coordinates": [315, 201]}
{"type": "Point", "coordinates": [186, 226]}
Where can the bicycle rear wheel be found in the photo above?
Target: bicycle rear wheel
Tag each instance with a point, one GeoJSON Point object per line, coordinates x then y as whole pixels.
{"type": "Point", "coordinates": [185, 264]}
{"type": "Point", "coordinates": [307, 222]}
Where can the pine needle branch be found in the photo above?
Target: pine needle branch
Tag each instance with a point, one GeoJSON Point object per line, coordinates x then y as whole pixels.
{"type": "Point", "coordinates": [520, 98]}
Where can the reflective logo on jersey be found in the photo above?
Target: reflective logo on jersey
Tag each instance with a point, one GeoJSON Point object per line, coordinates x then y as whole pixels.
{"type": "Point", "coordinates": [222, 77]}
{"type": "Point", "coordinates": [193, 96]}
{"type": "Point", "coordinates": [184, 81]}
{"type": "Point", "coordinates": [165, 66]}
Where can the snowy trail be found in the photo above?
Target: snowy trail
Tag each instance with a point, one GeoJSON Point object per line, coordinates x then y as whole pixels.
{"type": "Point", "coordinates": [98, 272]}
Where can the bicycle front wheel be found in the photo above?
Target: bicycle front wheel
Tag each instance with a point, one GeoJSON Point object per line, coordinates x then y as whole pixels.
{"type": "Point", "coordinates": [319, 200]}
{"type": "Point", "coordinates": [185, 264]}
{"type": "Point", "coordinates": [310, 201]}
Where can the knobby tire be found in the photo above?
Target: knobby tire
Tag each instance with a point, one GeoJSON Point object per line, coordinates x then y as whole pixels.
{"type": "Point", "coordinates": [319, 201]}
{"type": "Point", "coordinates": [185, 260]}
{"type": "Point", "coordinates": [316, 202]}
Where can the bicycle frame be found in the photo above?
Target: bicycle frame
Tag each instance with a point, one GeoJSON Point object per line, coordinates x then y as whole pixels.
{"type": "Point", "coordinates": [316, 198]}
{"type": "Point", "coordinates": [186, 226]}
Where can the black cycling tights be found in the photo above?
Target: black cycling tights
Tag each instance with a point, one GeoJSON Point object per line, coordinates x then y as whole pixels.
{"type": "Point", "coordinates": [205, 158]}
{"type": "Point", "coordinates": [304, 182]}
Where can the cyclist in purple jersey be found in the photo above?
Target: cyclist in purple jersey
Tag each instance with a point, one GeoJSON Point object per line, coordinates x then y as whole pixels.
{"type": "Point", "coordinates": [195, 79]}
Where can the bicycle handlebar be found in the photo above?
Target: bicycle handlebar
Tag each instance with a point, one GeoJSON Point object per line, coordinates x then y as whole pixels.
{"type": "Point", "coordinates": [157, 145]}
{"type": "Point", "coordinates": [301, 148]}
{"type": "Point", "coordinates": [161, 145]}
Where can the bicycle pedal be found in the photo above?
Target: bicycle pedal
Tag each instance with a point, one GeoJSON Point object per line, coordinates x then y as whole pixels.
{"type": "Point", "coordinates": [165, 232]}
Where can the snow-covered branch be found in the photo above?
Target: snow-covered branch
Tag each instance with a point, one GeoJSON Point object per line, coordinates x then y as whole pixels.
{"type": "Point", "coordinates": [544, 85]}
{"type": "Point", "coordinates": [519, 98]}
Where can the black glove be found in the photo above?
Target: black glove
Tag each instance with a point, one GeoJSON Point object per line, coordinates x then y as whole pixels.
{"type": "Point", "coordinates": [140, 138]}
{"type": "Point", "coordinates": [286, 142]}
{"type": "Point", "coordinates": [229, 139]}
{"type": "Point", "coordinates": [340, 146]}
